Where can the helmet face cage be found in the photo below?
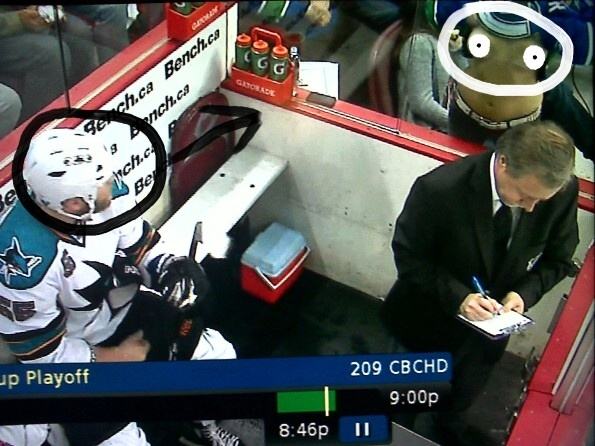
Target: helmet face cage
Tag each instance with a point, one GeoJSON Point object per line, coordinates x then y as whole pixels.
{"type": "Point", "coordinates": [64, 163]}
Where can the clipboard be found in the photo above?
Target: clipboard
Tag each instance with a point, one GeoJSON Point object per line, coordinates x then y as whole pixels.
{"type": "Point", "coordinates": [501, 325]}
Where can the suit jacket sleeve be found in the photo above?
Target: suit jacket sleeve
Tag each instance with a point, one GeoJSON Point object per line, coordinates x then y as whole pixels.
{"type": "Point", "coordinates": [417, 236]}
{"type": "Point", "coordinates": [556, 261]}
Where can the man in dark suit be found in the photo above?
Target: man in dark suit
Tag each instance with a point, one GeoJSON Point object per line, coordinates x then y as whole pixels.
{"type": "Point", "coordinates": [451, 230]}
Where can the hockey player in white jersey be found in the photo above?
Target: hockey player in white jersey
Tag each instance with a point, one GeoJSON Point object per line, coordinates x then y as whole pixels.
{"type": "Point", "coordinates": [111, 297]}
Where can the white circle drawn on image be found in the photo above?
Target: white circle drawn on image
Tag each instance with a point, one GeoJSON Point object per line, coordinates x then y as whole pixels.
{"type": "Point", "coordinates": [479, 45]}
{"type": "Point", "coordinates": [505, 90]}
{"type": "Point", "coordinates": [534, 57]}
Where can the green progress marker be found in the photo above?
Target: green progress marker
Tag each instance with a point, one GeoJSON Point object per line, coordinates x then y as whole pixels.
{"type": "Point", "coordinates": [305, 401]}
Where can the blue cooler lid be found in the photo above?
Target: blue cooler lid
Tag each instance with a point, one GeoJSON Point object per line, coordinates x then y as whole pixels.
{"type": "Point", "coordinates": [274, 249]}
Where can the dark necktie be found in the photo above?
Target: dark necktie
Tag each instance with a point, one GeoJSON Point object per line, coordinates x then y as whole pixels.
{"type": "Point", "coordinates": [502, 228]}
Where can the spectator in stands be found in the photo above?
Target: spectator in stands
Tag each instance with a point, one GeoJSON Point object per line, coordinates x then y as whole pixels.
{"type": "Point", "coordinates": [316, 11]}
{"type": "Point", "coordinates": [10, 109]}
{"type": "Point", "coordinates": [482, 117]}
{"type": "Point", "coordinates": [422, 80]}
{"type": "Point", "coordinates": [312, 26]}
{"type": "Point", "coordinates": [30, 58]}
{"type": "Point", "coordinates": [376, 14]}
{"type": "Point", "coordinates": [146, 17]}
{"type": "Point", "coordinates": [95, 33]}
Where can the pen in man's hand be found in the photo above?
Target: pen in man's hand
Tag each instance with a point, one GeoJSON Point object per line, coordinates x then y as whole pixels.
{"type": "Point", "coordinates": [479, 288]}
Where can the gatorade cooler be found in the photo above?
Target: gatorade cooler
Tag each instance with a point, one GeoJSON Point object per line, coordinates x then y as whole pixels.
{"type": "Point", "coordinates": [273, 262]}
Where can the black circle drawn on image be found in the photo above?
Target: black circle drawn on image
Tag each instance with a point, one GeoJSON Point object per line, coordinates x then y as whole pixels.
{"type": "Point", "coordinates": [107, 115]}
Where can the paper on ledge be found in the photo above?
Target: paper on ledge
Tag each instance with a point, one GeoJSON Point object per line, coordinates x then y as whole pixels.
{"type": "Point", "coordinates": [320, 77]}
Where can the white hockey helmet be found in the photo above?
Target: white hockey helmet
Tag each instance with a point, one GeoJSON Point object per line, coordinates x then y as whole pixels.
{"type": "Point", "coordinates": [63, 164]}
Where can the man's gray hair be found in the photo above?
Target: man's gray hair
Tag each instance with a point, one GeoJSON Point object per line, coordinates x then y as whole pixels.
{"type": "Point", "coordinates": [541, 148]}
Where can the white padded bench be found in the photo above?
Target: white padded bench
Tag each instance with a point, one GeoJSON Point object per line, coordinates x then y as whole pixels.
{"type": "Point", "coordinates": [222, 201]}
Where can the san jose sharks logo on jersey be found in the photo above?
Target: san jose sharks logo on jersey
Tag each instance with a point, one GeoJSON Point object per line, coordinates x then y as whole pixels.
{"type": "Point", "coordinates": [14, 262]}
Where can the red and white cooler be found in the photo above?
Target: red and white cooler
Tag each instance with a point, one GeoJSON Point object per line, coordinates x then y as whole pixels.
{"type": "Point", "coordinates": [273, 262]}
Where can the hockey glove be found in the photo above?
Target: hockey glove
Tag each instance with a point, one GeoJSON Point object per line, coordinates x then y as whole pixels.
{"type": "Point", "coordinates": [180, 280]}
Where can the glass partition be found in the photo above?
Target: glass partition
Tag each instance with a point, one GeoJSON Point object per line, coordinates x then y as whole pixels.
{"type": "Point", "coordinates": [387, 58]}
{"type": "Point", "coordinates": [46, 50]}
{"type": "Point", "coordinates": [382, 55]}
